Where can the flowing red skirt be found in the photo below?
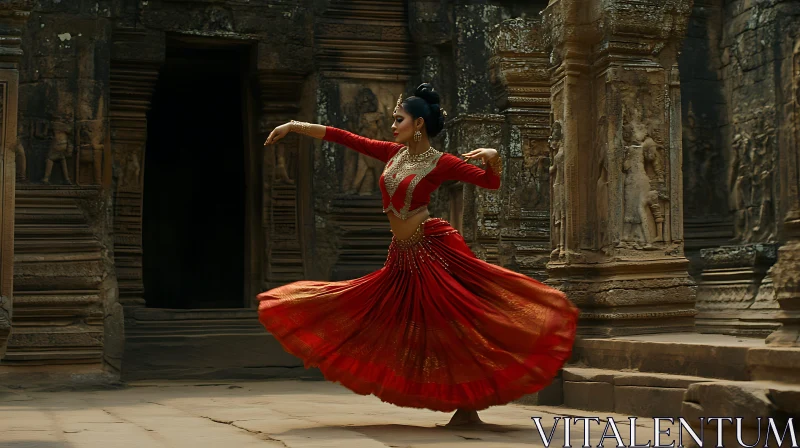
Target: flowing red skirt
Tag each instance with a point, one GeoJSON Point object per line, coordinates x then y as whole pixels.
{"type": "Point", "coordinates": [435, 328]}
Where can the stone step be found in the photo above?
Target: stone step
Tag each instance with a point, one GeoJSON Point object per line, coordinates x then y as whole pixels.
{"type": "Point", "coordinates": [694, 354]}
{"type": "Point", "coordinates": [210, 356]}
{"type": "Point", "coordinates": [643, 394]}
{"type": "Point", "coordinates": [750, 400]}
{"type": "Point", "coordinates": [204, 344]}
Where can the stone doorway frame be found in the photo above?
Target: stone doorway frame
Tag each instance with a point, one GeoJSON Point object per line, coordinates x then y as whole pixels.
{"type": "Point", "coordinates": [136, 62]}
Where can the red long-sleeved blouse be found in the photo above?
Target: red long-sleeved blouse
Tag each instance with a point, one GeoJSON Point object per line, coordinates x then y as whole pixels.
{"type": "Point", "coordinates": [408, 181]}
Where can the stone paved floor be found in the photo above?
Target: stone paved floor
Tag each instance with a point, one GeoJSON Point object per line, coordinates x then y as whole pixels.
{"type": "Point", "coordinates": [280, 414]}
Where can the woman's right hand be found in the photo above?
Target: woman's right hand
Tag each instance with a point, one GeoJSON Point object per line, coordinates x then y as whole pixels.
{"type": "Point", "coordinates": [277, 134]}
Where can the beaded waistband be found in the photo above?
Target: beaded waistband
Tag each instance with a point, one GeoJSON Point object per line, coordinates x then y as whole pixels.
{"type": "Point", "coordinates": [415, 237]}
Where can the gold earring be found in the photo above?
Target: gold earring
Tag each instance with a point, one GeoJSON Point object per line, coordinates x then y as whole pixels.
{"type": "Point", "coordinates": [417, 136]}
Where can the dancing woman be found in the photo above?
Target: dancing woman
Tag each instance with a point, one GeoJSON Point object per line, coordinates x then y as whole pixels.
{"type": "Point", "coordinates": [435, 327]}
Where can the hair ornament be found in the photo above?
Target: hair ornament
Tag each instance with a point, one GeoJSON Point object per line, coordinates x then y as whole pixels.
{"type": "Point", "coordinates": [399, 100]}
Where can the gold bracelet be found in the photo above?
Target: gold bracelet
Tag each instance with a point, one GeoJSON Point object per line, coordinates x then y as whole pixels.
{"type": "Point", "coordinates": [496, 164]}
{"type": "Point", "coordinates": [300, 127]}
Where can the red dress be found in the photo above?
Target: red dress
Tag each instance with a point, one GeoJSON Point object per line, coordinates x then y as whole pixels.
{"type": "Point", "coordinates": [435, 327]}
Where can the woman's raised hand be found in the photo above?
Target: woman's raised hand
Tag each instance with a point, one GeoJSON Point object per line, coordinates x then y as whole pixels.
{"type": "Point", "coordinates": [277, 134]}
{"type": "Point", "coordinates": [484, 154]}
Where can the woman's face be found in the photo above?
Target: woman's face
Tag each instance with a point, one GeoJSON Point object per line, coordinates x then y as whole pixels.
{"type": "Point", "coordinates": [403, 126]}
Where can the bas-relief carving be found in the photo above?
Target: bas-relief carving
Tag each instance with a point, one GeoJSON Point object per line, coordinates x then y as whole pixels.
{"type": "Point", "coordinates": [704, 165]}
{"type": "Point", "coordinates": [21, 161]}
{"type": "Point", "coordinates": [795, 188]}
{"type": "Point", "coordinates": [536, 174]}
{"type": "Point", "coordinates": [131, 172]}
{"type": "Point", "coordinates": [60, 150]}
{"type": "Point", "coordinates": [750, 177]}
{"type": "Point", "coordinates": [644, 169]}
{"type": "Point", "coordinates": [366, 113]}
{"type": "Point", "coordinates": [19, 152]}
{"type": "Point", "coordinates": [92, 136]}
{"type": "Point", "coordinates": [517, 35]}
{"type": "Point", "coordinates": [559, 200]}
{"type": "Point", "coordinates": [797, 105]}
{"type": "Point", "coordinates": [284, 164]}
{"type": "Point", "coordinates": [90, 154]}
{"type": "Point", "coordinates": [642, 211]}
{"type": "Point", "coordinates": [602, 191]}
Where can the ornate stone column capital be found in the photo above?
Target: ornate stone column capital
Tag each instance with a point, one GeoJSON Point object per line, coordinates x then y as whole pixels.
{"type": "Point", "coordinates": [14, 15]}
{"type": "Point", "coordinates": [568, 29]}
{"type": "Point", "coordinates": [519, 64]}
{"type": "Point", "coordinates": [618, 26]}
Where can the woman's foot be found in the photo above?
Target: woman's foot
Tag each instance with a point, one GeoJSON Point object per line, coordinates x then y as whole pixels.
{"type": "Point", "coordinates": [464, 417]}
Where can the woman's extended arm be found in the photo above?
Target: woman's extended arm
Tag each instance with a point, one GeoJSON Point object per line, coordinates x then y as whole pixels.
{"type": "Point", "coordinates": [312, 130]}
{"type": "Point", "coordinates": [488, 177]}
{"type": "Point", "coordinates": [377, 149]}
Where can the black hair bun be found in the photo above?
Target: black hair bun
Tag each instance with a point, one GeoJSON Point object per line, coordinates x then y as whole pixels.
{"type": "Point", "coordinates": [427, 93]}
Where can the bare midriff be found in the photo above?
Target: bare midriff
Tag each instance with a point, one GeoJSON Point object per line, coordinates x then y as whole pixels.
{"type": "Point", "coordinates": [405, 228]}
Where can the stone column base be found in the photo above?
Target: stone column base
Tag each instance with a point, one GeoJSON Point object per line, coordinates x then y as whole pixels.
{"type": "Point", "coordinates": [787, 281]}
{"type": "Point", "coordinates": [630, 297]}
{"type": "Point", "coordinates": [735, 294]}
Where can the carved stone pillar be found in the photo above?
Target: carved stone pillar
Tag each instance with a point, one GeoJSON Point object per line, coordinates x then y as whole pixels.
{"type": "Point", "coordinates": [281, 207]}
{"type": "Point", "coordinates": [520, 76]}
{"type": "Point", "coordinates": [482, 208]}
{"type": "Point", "coordinates": [13, 16]}
{"type": "Point", "coordinates": [364, 63]}
{"type": "Point", "coordinates": [786, 272]}
{"type": "Point", "coordinates": [736, 293]}
{"type": "Point", "coordinates": [617, 191]}
{"type": "Point", "coordinates": [135, 56]}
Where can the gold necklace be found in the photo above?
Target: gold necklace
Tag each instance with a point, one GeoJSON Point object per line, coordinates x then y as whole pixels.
{"type": "Point", "coordinates": [421, 156]}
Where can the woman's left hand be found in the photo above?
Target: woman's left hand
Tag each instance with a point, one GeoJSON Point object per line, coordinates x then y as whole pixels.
{"type": "Point", "coordinates": [484, 154]}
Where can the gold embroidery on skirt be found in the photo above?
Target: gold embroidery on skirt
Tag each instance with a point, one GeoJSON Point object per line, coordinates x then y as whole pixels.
{"type": "Point", "coordinates": [410, 253]}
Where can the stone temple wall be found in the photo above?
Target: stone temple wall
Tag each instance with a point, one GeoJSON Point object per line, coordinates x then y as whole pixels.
{"type": "Point", "coordinates": [646, 145]}
{"type": "Point", "coordinates": [735, 123]}
{"type": "Point", "coordinates": [87, 77]}
{"type": "Point", "coordinates": [65, 290]}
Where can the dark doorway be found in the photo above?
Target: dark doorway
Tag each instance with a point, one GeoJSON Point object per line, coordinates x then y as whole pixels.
{"type": "Point", "coordinates": [194, 188]}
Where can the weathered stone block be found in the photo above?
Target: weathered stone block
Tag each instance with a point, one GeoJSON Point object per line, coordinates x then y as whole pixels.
{"type": "Point", "coordinates": [775, 364]}
{"type": "Point", "coordinates": [593, 396]}
{"type": "Point", "coordinates": [680, 355]}
{"type": "Point", "coordinates": [648, 401]}
{"type": "Point", "coordinates": [751, 401]}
